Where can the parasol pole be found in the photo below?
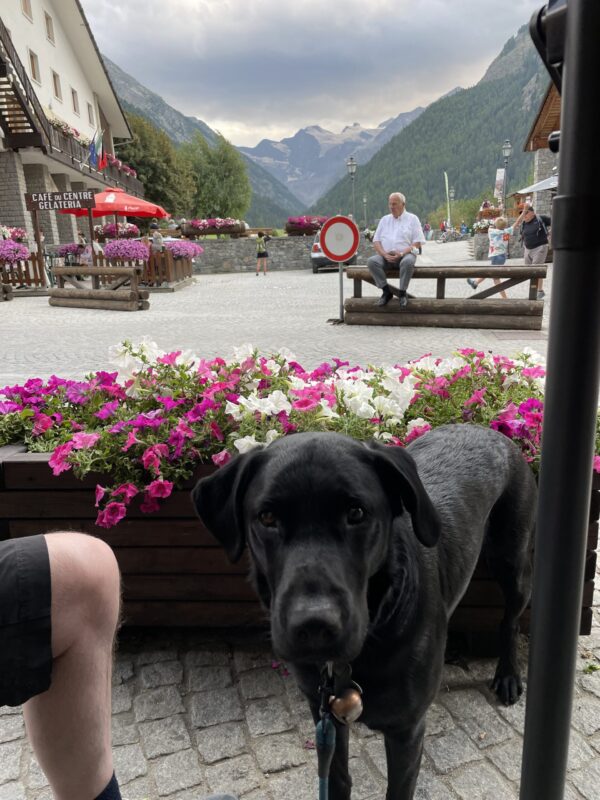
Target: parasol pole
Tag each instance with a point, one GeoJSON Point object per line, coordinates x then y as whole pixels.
{"type": "Point", "coordinates": [91, 223]}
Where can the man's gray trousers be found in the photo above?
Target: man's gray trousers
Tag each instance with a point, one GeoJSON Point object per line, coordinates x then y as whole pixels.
{"type": "Point", "coordinates": [378, 267]}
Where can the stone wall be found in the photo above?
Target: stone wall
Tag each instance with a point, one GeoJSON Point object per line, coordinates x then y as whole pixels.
{"type": "Point", "coordinates": [13, 211]}
{"type": "Point", "coordinates": [239, 255]}
{"type": "Point", "coordinates": [481, 244]}
{"type": "Point", "coordinates": [544, 163]}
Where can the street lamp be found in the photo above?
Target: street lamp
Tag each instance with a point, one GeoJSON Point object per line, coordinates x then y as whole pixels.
{"type": "Point", "coordinates": [451, 195]}
{"type": "Point", "coordinates": [365, 208]}
{"type": "Point", "coordinates": [506, 152]}
{"type": "Point", "coordinates": [351, 167]}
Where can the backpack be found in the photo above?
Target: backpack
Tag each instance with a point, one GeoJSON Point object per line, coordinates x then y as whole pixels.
{"type": "Point", "coordinates": [541, 227]}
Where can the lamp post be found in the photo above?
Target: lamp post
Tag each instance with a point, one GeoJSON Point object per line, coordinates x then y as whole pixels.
{"type": "Point", "coordinates": [365, 209]}
{"type": "Point", "coordinates": [351, 167]}
{"type": "Point", "coordinates": [451, 195]}
{"type": "Point", "coordinates": [506, 152]}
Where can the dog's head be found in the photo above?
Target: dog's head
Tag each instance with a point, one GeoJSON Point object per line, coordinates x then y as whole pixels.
{"type": "Point", "coordinates": [316, 511]}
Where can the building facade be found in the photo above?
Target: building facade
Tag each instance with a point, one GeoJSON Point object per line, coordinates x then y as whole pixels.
{"type": "Point", "coordinates": [55, 97]}
{"type": "Point", "coordinates": [545, 161]}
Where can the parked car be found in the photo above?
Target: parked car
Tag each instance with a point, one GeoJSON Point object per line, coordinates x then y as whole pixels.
{"type": "Point", "coordinates": [319, 260]}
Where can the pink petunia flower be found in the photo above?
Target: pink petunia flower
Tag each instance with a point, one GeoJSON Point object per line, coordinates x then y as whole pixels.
{"type": "Point", "coordinates": [596, 463]}
{"type": "Point", "coordinates": [152, 456]}
{"type": "Point", "coordinates": [42, 423]}
{"type": "Point", "coordinates": [130, 441]}
{"type": "Point", "coordinates": [476, 398]}
{"type": "Point", "coordinates": [100, 492]}
{"type": "Point", "coordinates": [58, 460]}
{"type": "Point", "coordinates": [305, 404]}
{"type": "Point", "coordinates": [169, 358]}
{"type": "Point", "coordinates": [149, 505]}
{"type": "Point", "coordinates": [126, 490]}
{"type": "Point", "coordinates": [107, 410]}
{"type": "Point", "coordinates": [220, 459]}
{"type": "Point", "coordinates": [112, 514]}
{"type": "Point", "coordinates": [82, 441]}
{"type": "Point", "coordinates": [159, 488]}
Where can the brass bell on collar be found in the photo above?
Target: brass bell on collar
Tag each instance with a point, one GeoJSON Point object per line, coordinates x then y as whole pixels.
{"type": "Point", "coordinates": [347, 707]}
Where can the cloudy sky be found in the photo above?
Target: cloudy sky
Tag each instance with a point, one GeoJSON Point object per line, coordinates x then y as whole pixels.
{"type": "Point", "coordinates": [265, 68]}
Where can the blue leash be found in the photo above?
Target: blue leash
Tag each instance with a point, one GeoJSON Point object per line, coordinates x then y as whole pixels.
{"type": "Point", "coordinates": [325, 742]}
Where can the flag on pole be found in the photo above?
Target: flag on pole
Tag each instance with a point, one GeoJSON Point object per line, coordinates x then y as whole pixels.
{"type": "Point", "coordinates": [94, 149]}
{"type": "Point", "coordinates": [102, 157]}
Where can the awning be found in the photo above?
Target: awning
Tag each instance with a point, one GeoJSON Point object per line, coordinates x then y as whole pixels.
{"type": "Point", "coordinates": [547, 183]}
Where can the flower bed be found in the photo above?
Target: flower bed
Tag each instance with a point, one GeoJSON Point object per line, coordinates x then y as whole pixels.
{"type": "Point", "coordinates": [125, 447]}
{"type": "Point", "coordinates": [12, 252]}
{"type": "Point", "coordinates": [184, 249]}
{"type": "Point", "coordinates": [126, 250]}
{"type": "Point", "coordinates": [304, 226]}
{"type": "Point", "coordinates": [118, 230]}
{"type": "Point", "coordinates": [213, 226]}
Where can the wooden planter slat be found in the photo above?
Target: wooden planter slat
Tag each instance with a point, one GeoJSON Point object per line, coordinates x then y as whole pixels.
{"type": "Point", "coordinates": [174, 571]}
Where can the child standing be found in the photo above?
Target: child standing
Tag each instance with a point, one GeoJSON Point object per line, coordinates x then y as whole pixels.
{"type": "Point", "coordinates": [499, 237]}
{"type": "Point", "coordinates": [261, 252]}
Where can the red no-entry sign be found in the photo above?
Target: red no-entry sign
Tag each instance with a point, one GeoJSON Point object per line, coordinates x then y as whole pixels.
{"type": "Point", "coordinates": [339, 238]}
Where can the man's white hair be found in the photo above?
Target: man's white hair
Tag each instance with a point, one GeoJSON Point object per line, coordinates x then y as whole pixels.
{"type": "Point", "coordinates": [399, 196]}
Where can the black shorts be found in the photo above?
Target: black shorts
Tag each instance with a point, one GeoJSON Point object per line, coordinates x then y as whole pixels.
{"type": "Point", "coordinates": [262, 255]}
{"type": "Point", "coordinates": [25, 628]}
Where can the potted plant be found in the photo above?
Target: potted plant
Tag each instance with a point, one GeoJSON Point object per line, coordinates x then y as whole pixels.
{"type": "Point", "coordinates": [304, 225]}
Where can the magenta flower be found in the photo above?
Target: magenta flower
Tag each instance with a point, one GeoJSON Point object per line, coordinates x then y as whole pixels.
{"type": "Point", "coordinates": [159, 488]}
{"type": "Point", "coordinates": [42, 423]}
{"type": "Point", "coordinates": [596, 463]}
{"type": "Point", "coordinates": [112, 514]}
{"type": "Point", "coordinates": [100, 492]}
{"type": "Point", "coordinates": [152, 456]}
{"type": "Point", "coordinates": [58, 460]}
{"type": "Point", "coordinates": [169, 403]}
{"type": "Point", "coordinates": [220, 459]}
{"type": "Point", "coordinates": [82, 441]}
{"type": "Point", "coordinates": [169, 358]}
{"type": "Point", "coordinates": [107, 410]}
{"type": "Point", "coordinates": [533, 372]}
{"type": "Point", "coordinates": [126, 490]}
{"type": "Point", "coordinates": [149, 505]}
{"type": "Point", "coordinates": [305, 404]}
{"type": "Point", "coordinates": [417, 431]}
{"type": "Point", "coordinates": [476, 398]}
{"type": "Point", "coordinates": [8, 407]}
{"type": "Point", "coordinates": [216, 431]}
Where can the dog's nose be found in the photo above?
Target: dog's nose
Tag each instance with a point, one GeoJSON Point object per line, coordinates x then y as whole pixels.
{"type": "Point", "coordinates": [315, 626]}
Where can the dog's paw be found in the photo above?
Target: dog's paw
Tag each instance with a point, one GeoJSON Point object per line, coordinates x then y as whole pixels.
{"type": "Point", "coordinates": [508, 688]}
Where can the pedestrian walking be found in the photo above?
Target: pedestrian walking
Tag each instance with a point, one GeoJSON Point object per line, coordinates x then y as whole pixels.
{"type": "Point", "coordinates": [499, 235]}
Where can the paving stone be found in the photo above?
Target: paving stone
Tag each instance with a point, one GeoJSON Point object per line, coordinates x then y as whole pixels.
{"type": "Point", "coordinates": [155, 656]}
{"type": "Point", "coordinates": [278, 752]}
{"type": "Point", "coordinates": [157, 703]}
{"type": "Point", "coordinates": [12, 791]}
{"type": "Point", "coordinates": [257, 683]}
{"type": "Point", "coordinates": [162, 673]}
{"type": "Point", "coordinates": [11, 728]}
{"type": "Point", "coordinates": [221, 741]}
{"type": "Point", "coordinates": [122, 698]}
{"type": "Point", "coordinates": [587, 780]}
{"type": "Point", "coordinates": [375, 749]}
{"type": "Point", "coordinates": [9, 711]}
{"type": "Point", "coordinates": [571, 793]}
{"type": "Point", "coordinates": [514, 715]}
{"type": "Point", "coordinates": [10, 757]}
{"type": "Point", "coordinates": [429, 787]}
{"type": "Point", "coordinates": [477, 717]}
{"type": "Point", "coordinates": [245, 659]}
{"type": "Point", "coordinates": [580, 752]}
{"type": "Point", "coordinates": [212, 708]}
{"type": "Point", "coordinates": [481, 782]}
{"type": "Point", "coordinates": [176, 771]}
{"type": "Point", "coordinates": [294, 784]}
{"type": "Point", "coordinates": [207, 657]}
{"type": "Point", "coordinates": [364, 783]}
{"type": "Point", "coordinates": [129, 762]}
{"type": "Point", "coordinates": [164, 736]}
{"type": "Point", "coordinates": [259, 794]}
{"type": "Point", "coordinates": [586, 713]}
{"type": "Point", "coordinates": [35, 777]}
{"type": "Point", "coordinates": [454, 677]}
{"type": "Point", "coordinates": [124, 730]}
{"type": "Point", "coordinates": [591, 683]}
{"type": "Point", "coordinates": [507, 757]}
{"type": "Point", "coordinates": [236, 776]}
{"type": "Point", "coordinates": [438, 720]}
{"type": "Point", "coordinates": [139, 789]}
{"type": "Point", "coordinates": [451, 750]}
{"type": "Point", "coordinates": [47, 794]}
{"type": "Point", "coordinates": [122, 670]}
{"type": "Point", "coordinates": [267, 716]}
{"type": "Point", "coordinates": [203, 679]}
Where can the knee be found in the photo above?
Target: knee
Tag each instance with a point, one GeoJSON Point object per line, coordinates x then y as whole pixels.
{"type": "Point", "coordinates": [85, 581]}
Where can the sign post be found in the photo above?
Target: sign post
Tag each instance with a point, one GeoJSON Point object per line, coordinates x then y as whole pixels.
{"type": "Point", "coordinates": [339, 241]}
{"type": "Point", "coordinates": [57, 201]}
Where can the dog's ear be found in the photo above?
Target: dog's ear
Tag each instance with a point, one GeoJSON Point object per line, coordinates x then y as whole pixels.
{"type": "Point", "coordinates": [398, 473]}
{"type": "Point", "coordinates": [219, 501]}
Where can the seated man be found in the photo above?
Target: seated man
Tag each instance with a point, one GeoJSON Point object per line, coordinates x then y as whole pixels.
{"type": "Point", "coordinates": [397, 241]}
{"type": "Point", "coordinates": [59, 611]}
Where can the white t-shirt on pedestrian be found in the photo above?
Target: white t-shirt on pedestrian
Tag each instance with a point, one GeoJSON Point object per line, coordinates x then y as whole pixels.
{"type": "Point", "coordinates": [397, 233]}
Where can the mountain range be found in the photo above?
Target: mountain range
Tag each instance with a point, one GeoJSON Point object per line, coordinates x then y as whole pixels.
{"type": "Point", "coordinates": [271, 200]}
{"type": "Point", "coordinates": [313, 159]}
{"type": "Point", "coordinates": [461, 135]}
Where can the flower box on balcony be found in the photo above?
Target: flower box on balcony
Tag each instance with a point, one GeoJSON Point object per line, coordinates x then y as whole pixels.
{"type": "Point", "coordinates": [174, 572]}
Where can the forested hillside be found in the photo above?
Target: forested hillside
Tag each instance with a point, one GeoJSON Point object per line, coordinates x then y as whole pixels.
{"type": "Point", "coordinates": [462, 135]}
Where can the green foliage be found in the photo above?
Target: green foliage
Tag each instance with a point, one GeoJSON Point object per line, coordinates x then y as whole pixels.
{"type": "Point", "coordinates": [220, 180]}
{"type": "Point", "coordinates": [461, 135]}
{"type": "Point", "coordinates": [152, 154]}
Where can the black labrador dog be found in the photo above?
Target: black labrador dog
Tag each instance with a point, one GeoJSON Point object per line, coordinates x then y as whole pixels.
{"type": "Point", "coordinates": [361, 553]}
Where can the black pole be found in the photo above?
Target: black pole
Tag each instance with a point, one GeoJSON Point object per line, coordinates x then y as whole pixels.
{"type": "Point", "coordinates": [569, 419]}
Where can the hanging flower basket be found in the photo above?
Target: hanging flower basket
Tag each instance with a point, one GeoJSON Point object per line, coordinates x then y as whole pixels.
{"type": "Point", "coordinates": [126, 250]}
{"type": "Point", "coordinates": [304, 226]}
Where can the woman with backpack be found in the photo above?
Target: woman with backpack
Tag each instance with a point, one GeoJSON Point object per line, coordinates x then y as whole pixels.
{"type": "Point", "coordinates": [261, 252]}
{"type": "Point", "coordinates": [534, 234]}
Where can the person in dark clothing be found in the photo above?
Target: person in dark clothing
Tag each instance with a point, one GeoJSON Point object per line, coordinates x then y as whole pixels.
{"type": "Point", "coordinates": [535, 229]}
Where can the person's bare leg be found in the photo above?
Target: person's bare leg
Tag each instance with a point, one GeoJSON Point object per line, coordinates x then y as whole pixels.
{"type": "Point", "coordinates": [502, 294]}
{"type": "Point", "coordinates": [69, 725]}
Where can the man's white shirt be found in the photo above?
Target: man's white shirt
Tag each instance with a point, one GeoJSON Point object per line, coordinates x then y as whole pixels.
{"type": "Point", "coordinates": [397, 233]}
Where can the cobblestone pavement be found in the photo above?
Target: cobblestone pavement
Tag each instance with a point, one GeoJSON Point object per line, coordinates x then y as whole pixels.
{"type": "Point", "coordinates": [197, 711]}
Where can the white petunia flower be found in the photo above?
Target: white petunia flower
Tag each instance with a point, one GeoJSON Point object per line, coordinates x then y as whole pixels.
{"type": "Point", "coordinates": [273, 366]}
{"type": "Point", "coordinates": [416, 423]}
{"type": "Point", "coordinates": [296, 382]}
{"type": "Point", "coordinates": [246, 443]}
{"type": "Point", "coordinates": [278, 402]}
{"type": "Point", "coordinates": [326, 411]}
{"type": "Point", "coordinates": [271, 436]}
{"type": "Point", "coordinates": [234, 410]}
{"type": "Point", "coordinates": [243, 352]}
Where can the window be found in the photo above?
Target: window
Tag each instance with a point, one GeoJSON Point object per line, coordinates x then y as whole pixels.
{"type": "Point", "coordinates": [75, 99]}
{"type": "Point", "coordinates": [90, 113]}
{"type": "Point", "coordinates": [56, 85]}
{"type": "Point", "coordinates": [49, 27]}
{"type": "Point", "coordinates": [34, 67]}
{"type": "Point", "coordinates": [26, 8]}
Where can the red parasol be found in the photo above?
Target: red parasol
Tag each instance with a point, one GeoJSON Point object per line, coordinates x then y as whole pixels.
{"type": "Point", "coordinates": [117, 202]}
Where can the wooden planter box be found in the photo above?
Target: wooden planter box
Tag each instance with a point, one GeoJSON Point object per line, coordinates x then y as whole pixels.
{"type": "Point", "coordinates": [174, 572]}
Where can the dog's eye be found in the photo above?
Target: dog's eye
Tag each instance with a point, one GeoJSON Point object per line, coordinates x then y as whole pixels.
{"type": "Point", "coordinates": [355, 514]}
{"type": "Point", "coordinates": [268, 519]}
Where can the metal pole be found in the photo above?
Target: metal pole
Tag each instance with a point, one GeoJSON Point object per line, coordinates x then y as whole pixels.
{"type": "Point", "coordinates": [353, 199]}
{"type": "Point", "coordinates": [504, 185]}
{"type": "Point", "coordinates": [571, 396]}
{"type": "Point", "coordinates": [341, 269]}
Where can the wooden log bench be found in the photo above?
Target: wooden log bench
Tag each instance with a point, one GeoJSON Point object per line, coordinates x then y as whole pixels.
{"type": "Point", "coordinates": [109, 291]}
{"type": "Point", "coordinates": [480, 310]}
{"type": "Point", "coordinates": [6, 291]}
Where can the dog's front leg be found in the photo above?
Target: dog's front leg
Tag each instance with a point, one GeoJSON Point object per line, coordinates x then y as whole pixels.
{"type": "Point", "coordinates": [340, 782]}
{"type": "Point", "coordinates": [403, 749]}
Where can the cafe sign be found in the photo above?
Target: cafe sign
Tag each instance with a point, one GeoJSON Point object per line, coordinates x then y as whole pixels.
{"type": "Point", "coordinates": [55, 201]}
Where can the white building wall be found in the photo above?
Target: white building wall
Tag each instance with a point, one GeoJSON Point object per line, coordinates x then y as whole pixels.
{"type": "Point", "coordinates": [59, 57]}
